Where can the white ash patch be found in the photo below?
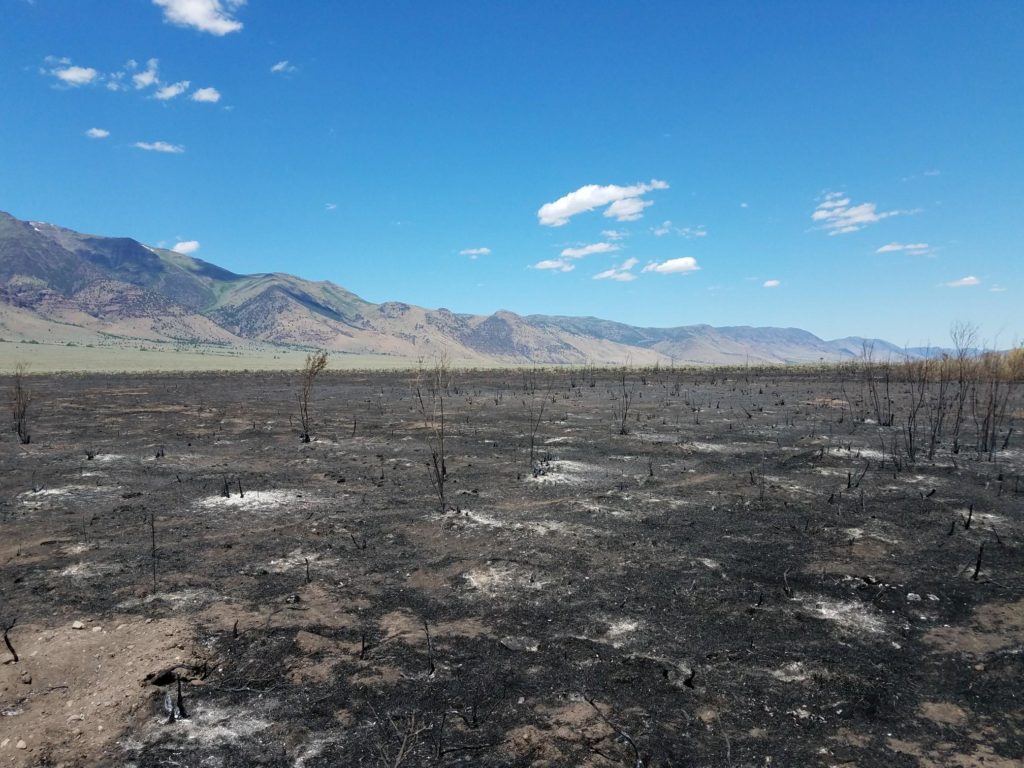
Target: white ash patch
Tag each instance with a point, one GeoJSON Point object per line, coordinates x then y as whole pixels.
{"type": "Point", "coordinates": [564, 472]}
{"type": "Point", "coordinates": [542, 527]}
{"type": "Point", "coordinates": [108, 458]}
{"type": "Point", "coordinates": [708, 563]}
{"type": "Point", "coordinates": [212, 725]}
{"type": "Point", "coordinates": [494, 580]}
{"type": "Point", "coordinates": [256, 501]}
{"type": "Point", "coordinates": [185, 598]}
{"type": "Point", "coordinates": [87, 570]}
{"type": "Point", "coordinates": [620, 632]}
{"type": "Point", "coordinates": [551, 441]}
{"type": "Point", "coordinates": [850, 615]}
{"type": "Point", "coordinates": [794, 672]}
{"type": "Point", "coordinates": [76, 548]}
{"type": "Point", "coordinates": [297, 559]}
{"type": "Point", "coordinates": [859, 453]}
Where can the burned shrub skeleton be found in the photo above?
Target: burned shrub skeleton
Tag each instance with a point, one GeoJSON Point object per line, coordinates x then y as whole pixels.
{"type": "Point", "coordinates": [713, 567]}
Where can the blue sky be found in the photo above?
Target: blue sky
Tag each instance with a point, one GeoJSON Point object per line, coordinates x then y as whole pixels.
{"type": "Point", "coordinates": [851, 169]}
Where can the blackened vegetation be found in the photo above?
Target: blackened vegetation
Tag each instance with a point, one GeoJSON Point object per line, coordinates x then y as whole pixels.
{"type": "Point", "coordinates": [822, 561]}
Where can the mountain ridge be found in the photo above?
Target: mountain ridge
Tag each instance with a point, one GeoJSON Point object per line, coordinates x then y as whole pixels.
{"type": "Point", "coordinates": [58, 283]}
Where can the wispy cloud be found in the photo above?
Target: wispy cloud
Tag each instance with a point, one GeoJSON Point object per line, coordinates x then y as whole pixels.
{"type": "Point", "coordinates": [207, 95]}
{"type": "Point", "coordinates": [475, 253]}
{"type": "Point", "coordinates": [283, 66]}
{"type": "Point", "coordinates": [614, 234]}
{"type": "Point", "coordinates": [997, 289]}
{"type": "Point", "coordinates": [213, 16]}
{"type": "Point", "coordinates": [666, 228]}
{"type": "Point", "coordinates": [587, 250]}
{"type": "Point", "coordinates": [772, 283]}
{"type": "Point", "coordinates": [171, 91]}
{"type": "Point", "coordinates": [186, 247]}
{"type": "Point", "coordinates": [673, 266]}
{"type": "Point", "coordinates": [559, 265]}
{"type": "Point", "coordinates": [914, 249]}
{"type": "Point", "coordinates": [620, 273]}
{"type": "Point", "coordinates": [964, 282]}
{"type": "Point", "coordinates": [97, 133]}
{"type": "Point", "coordinates": [623, 203]}
{"type": "Point", "coordinates": [837, 215]}
{"type": "Point", "coordinates": [160, 146]}
{"type": "Point", "coordinates": [331, 206]}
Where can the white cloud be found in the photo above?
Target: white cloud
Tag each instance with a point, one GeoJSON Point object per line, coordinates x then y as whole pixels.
{"type": "Point", "coordinates": [614, 234]}
{"type": "Point", "coordinates": [744, 205]}
{"type": "Point", "coordinates": [474, 253]}
{"type": "Point", "coordinates": [627, 209]}
{"type": "Point", "coordinates": [213, 16]}
{"type": "Point", "coordinates": [964, 282]}
{"type": "Point", "coordinates": [997, 289]}
{"type": "Point", "coordinates": [283, 66]}
{"type": "Point", "coordinates": [186, 247]}
{"type": "Point", "coordinates": [75, 76]}
{"type": "Point", "coordinates": [689, 233]}
{"type": "Point", "coordinates": [620, 273]}
{"type": "Point", "coordinates": [673, 266]}
{"type": "Point", "coordinates": [97, 133]}
{"type": "Point", "coordinates": [557, 264]}
{"type": "Point", "coordinates": [914, 249]}
{"type": "Point", "coordinates": [587, 250]}
{"type": "Point", "coordinates": [838, 216]}
{"type": "Point", "coordinates": [171, 91]}
{"type": "Point", "coordinates": [772, 283]}
{"type": "Point", "coordinates": [331, 206]}
{"type": "Point", "coordinates": [160, 146]}
{"type": "Point", "coordinates": [149, 77]}
{"type": "Point", "coordinates": [208, 95]}
{"type": "Point", "coordinates": [624, 203]}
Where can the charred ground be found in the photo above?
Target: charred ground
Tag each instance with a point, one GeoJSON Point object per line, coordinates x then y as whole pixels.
{"type": "Point", "coordinates": [698, 568]}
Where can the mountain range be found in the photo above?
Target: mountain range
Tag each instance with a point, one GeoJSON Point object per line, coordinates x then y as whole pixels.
{"type": "Point", "coordinates": [61, 286]}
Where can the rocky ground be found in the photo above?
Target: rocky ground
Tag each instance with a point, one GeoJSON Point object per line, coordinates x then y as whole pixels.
{"type": "Point", "coordinates": [695, 569]}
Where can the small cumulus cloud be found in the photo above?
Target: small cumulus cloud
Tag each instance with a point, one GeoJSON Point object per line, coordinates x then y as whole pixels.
{"type": "Point", "coordinates": [160, 146]}
{"type": "Point", "coordinates": [772, 283]}
{"type": "Point", "coordinates": [171, 91]}
{"type": "Point", "coordinates": [914, 249]}
{"type": "Point", "coordinates": [613, 234]}
{"type": "Point", "coordinates": [620, 273]}
{"type": "Point", "coordinates": [146, 78]}
{"type": "Point", "coordinates": [97, 133]}
{"type": "Point", "coordinates": [558, 265]}
{"type": "Point", "coordinates": [74, 76]}
{"type": "Point", "coordinates": [587, 250]}
{"type": "Point", "coordinates": [964, 282]}
{"type": "Point", "coordinates": [838, 215]}
{"type": "Point", "coordinates": [186, 247]}
{"type": "Point", "coordinates": [213, 16]}
{"type": "Point", "coordinates": [475, 253]}
{"type": "Point", "coordinates": [331, 206]}
{"type": "Point", "coordinates": [282, 66]}
{"type": "Point", "coordinates": [673, 266]}
{"type": "Point", "coordinates": [623, 203]}
{"type": "Point", "coordinates": [207, 95]}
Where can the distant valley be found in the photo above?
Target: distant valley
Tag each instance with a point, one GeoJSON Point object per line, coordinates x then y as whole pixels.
{"type": "Point", "coordinates": [58, 286]}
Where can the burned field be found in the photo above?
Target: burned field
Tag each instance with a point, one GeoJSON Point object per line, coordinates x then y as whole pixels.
{"type": "Point", "coordinates": [594, 568]}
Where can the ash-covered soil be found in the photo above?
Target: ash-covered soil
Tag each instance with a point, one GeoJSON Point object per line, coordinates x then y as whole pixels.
{"type": "Point", "coordinates": [748, 577]}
